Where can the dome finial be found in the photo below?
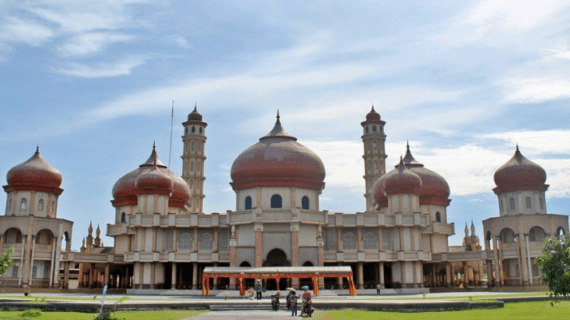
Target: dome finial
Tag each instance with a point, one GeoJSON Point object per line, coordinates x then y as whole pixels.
{"type": "Point", "coordinates": [372, 107]}
{"type": "Point", "coordinates": [38, 148]}
{"type": "Point", "coordinates": [278, 117]}
{"type": "Point", "coordinates": [196, 106]}
{"type": "Point", "coordinates": [408, 144]}
{"type": "Point", "coordinates": [517, 147]}
{"type": "Point", "coordinates": [154, 145]}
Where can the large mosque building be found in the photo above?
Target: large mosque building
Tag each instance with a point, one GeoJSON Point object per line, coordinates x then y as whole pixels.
{"type": "Point", "coordinates": [163, 240]}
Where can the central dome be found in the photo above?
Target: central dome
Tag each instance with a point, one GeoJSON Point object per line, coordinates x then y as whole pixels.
{"type": "Point", "coordinates": [278, 160]}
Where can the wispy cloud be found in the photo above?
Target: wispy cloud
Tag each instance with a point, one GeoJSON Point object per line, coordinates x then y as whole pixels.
{"type": "Point", "coordinates": [119, 68]}
{"type": "Point", "coordinates": [92, 42]}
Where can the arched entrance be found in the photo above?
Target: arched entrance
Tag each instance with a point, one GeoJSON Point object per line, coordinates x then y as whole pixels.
{"type": "Point", "coordinates": [276, 258]}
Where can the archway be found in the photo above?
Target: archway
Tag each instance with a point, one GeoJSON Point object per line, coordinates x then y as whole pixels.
{"type": "Point", "coordinates": [276, 258]}
{"type": "Point", "coordinates": [387, 275]}
{"type": "Point", "coordinates": [248, 282]}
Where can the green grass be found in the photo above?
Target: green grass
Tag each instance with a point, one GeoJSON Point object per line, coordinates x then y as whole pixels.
{"type": "Point", "coordinates": [127, 315]}
{"type": "Point", "coordinates": [490, 296]}
{"type": "Point", "coordinates": [520, 310]}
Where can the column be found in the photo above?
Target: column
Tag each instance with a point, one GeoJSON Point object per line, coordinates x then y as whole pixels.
{"type": "Point", "coordinates": [490, 276]}
{"type": "Point", "coordinates": [21, 267]}
{"type": "Point", "coordinates": [173, 277]}
{"type": "Point", "coordinates": [381, 274]}
{"type": "Point", "coordinates": [452, 275]}
{"type": "Point", "coordinates": [28, 252]}
{"type": "Point", "coordinates": [360, 275]}
{"type": "Point", "coordinates": [195, 275]}
{"type": "Point", "coordinates": [448, 274]}
{"type": "Point", "coordinates": [521, 260]}
{"type": "Point", "coordinates": [294, 250]}
{"type": "Point", "coordinates": [215, 278]}
{"type": "Point", "coordinates": [465, 275]}
{"type": "Point", "coordinates": [339, 279]}
{"type": "Point", "coordinates": [91, 274]}
{"type": "Point", "coordinates": [52, 262]}
{"type": "Point", "coordinates": [127, 278]}
{"type": "Point", "coordinates": [106, 274]}
{"type": "Point", "coordinates": [66, 267]}
{"type": "Point", "coordinates": [499, 276]}
{"type": "Point", "coordinates": [526, 236]}
{"type": "Point", "coordinates": [31, 267]}
{"type": "Point", "coordinates": [57, 260]}
{"type": "Point", "coordinates": [259, 245]}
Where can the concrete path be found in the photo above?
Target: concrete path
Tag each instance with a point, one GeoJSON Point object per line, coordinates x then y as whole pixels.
{"type": "Point", "coordinates": [244, 315]}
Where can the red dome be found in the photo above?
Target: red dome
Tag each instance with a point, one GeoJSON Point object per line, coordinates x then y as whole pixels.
{"type": "Point", "coordinates": [125, 189]}
{"type": "Point", "coordinates": [434, 189]}
{"type": "Point", "coordinates": [154, 181]}
{"type": "Point", "coordinates": [373, 115]}
{"type": "Point", "coordinates": [278, 160]}
{"type": "Point", "coordinates": [195, 115]}
{"type": "Point", "coordinates": [34, 174]}
{"type": "Point", "coordinates": [402, 181]}
{"type": "Point", "coordinates": [519, 173]}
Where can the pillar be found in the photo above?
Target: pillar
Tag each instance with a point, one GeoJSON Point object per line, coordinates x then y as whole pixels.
{"type": "Point", "coordinates": [173, 277]}
{"type": "Point", "coordinates": [526, 236]}
{"type": "Point", "coordinates": [106, 274]}
{"type": "Point", "coordinates": [294, 250]}
{"type": "Point", "coordinates": [465, 275]}
{"type": "Point", "coordinates": [452, 275]}
{"type": "Point", "coordinates": [339, 279]}
{"type": "Point", "coordinates": [66, 267]}
{"type": "Point", "coordinates": [259, 245]}
{"type": "Point", "coordinates": [31, 265]}
{"type": "Point", "coordinates": [360, 275]}
{"type": "Point", "coordinates": [195, 275]}
{"type": "Point", "coordinates": [91, 274]}
{"type": "Point", "coordinates": [448, 274]}
{"type": "Point", "coordinates": [28, 253]}
{"type": "Point", "coordinates": [215, 278]}
{"type": "Point", "coordinates": [381, 274]}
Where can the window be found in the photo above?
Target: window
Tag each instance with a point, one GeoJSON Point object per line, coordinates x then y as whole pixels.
{"type": "Point", "coordinates": [374, 128]}
{"type": "Point", "coordinates": [191, 184]}
{"type": "Point", "coordinates": [512, 201]}
{"type": "Point", "coordinates": [349, 242]}
{"type": "Point", "coordinates": [438, 217]}
{"type": "Point", "coordinates": [560, 231]}
{"type": "Point", "coordinates": [206, 241]}
{"type": "Point", "coordinates": [366, 129]}
{"type": "Point", "coordinates": [501, 205]}
{"type": "Point", "coordinates": [528, 203]}
{"type": "Point", "coordinates": [305, 203]}
{"type": "Point", "coordinates": [248, 203]}
{"type": "Point", "coordinates": [198, 166]}
{"type": "Point", "coordinates": [375, 166]}
{"type": "Point", "coordinates": [369, 167]}
{"type": "Point", "coordinates": [123, 217]}
{"type": "Point", "coordinates": [186, 130]}
{"type": "Point", "coordinates": [200, 130]}
{"type": "Point", "coordinates": [193, 146]}
{"type": "Point", "coordinates": [370, 241]}
{"type": "Point", "coordinates": [10, 204]}
{"type": "Point", "coordinates": [276, 202]}
{"type": "Point", "coordinates": [541, 203]}
{"type": "Point", "coordinates": [193, 129]}
{"type": "Point", "coordinates": [191, 166]}
{"type": "Point", "coordinates": [23, 205]}
{"type": "Point", "coordinates": [374, 146]}
{"type": "Point", "coordinates": [41, 205]}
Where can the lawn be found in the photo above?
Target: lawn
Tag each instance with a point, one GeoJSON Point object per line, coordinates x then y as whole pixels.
{"type": "Point", "coordinates": [127, 315]}
{"type": "Point", "coordinates": [520, 310]}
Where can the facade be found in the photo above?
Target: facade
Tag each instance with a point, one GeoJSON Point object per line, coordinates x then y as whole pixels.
{"type": "Point", "coordinates": [163, 240]}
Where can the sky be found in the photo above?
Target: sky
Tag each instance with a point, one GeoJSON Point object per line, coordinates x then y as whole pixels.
{"type": "Point", "coordinates": [92, 83]}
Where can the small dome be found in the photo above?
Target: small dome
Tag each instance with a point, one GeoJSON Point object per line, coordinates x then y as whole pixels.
{"type": "Point", "coordinates": [434, 189]}
{"type": "Point", "coordinates": [373, 115]}
{"type": "Point", "coordinates": [402, 181]}
{"type": "Point", "coordinates": [34, 174]}
{"type": "Point", "coordinates": [154, 181]}
{"type": "Point", "coordinates": [125, 189]}
{"type": "Point", "coordinates": [195, 115]}
{"type": "Point", "coordinates": [278, 160]}
{"type": "Point", "coordinates": [519, 173]}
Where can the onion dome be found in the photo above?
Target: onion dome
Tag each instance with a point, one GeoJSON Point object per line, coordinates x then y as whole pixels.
{"type": "Point", "coordinates": [519, 173]}
{"type": "Point", "coordinates": [373, 117]}
{"type": "Point", "coordinates": [402, 181]}
{"type": "Point", "coordinates": [195, 115]}
{"type": "Point", "coordinates": [34, 174]}
{"type": "Point", "coordinates": [127, 188]}
{"type": "Point", "coordinates": [434, 190]}
{"type": "Point", "coordinates": [278, 160]}
{"type": "Point", "coordinates": [154, 181]}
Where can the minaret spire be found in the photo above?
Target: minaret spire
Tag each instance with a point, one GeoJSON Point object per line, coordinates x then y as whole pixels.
{"type": "Point", "coordinates": [278, 117]}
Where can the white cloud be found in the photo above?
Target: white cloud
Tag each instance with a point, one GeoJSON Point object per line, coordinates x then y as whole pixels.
{"type": "Point", "coordinates": [535, 90]}
{"type": "Point", "coordinates": [24, 31]}
{"type": "Point", "coordinates": [119, 68]}
{"type": "Point", "coordinates": [91, 42]}
{"type": "Point", "coordinates": [535, 142]}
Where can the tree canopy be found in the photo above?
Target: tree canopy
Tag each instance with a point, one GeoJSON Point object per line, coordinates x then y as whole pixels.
{"type": "Point", "coordinates": [6, 261]}
{"type": "Point", "coordinates": [554, 262]}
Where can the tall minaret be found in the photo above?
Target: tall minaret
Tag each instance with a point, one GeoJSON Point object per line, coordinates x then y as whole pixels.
{"type": "Point", "coordinates": [374, 154]}
{"type": "Point", "coordinates": [194, 158]}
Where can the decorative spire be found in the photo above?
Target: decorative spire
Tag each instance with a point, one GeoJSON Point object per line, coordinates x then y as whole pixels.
{"type": "Point", "coordinates": [90, 229]}
{"type": "Point", "coordinates": [38, 148]}
{"type": "Point", "coordinates": [83, 243]}
{"type": "Point", "coordinates": [472, 229]}
{"type": "Point", "coordinates": [408, 145]}
{"type": "Point", "coordinates": [278, 121]}
{"type": "Point", "coordinates": [98, 232]}
{"type": "Point", "coordinates": [466, 230]}
{"type": "Point", "coordinates": [372, 108]}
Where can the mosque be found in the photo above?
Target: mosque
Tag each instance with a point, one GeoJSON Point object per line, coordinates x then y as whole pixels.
{"type": "Point", "coordinates": [163, 240]}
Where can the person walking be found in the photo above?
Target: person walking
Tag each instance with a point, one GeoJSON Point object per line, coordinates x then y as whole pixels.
{"type": "Point", "coordinates": [258, 289]}
{"type": "Point", "coordinates": [292, 302]}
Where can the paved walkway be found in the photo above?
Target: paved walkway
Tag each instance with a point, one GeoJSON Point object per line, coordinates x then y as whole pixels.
{"type": "Point", "coordinates": [244, 315]}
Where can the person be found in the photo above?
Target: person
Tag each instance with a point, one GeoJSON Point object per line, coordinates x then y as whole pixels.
{"type": "Point", "coordinates": [291, 293]}
{"type": "Point", "coordinates": [378, 287]}
{"type": "Point", "coordinates": [292, 302]}
{"type": "Point", "coordinates": [306, 300]}
{"type": "Point", "coordinates": [258, 289]}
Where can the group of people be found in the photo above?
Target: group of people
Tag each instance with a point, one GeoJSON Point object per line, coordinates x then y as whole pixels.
{"type": "Point", "coordinates": [291, 299]}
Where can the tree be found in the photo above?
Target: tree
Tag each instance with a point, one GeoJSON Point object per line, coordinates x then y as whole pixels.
{"type": "Point", "coordinates": [554, 262]}
{"type": "Point", "coordinates": [6, 261]}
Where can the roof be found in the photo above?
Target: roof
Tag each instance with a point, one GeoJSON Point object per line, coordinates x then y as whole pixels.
{"type": "Point", "coordinates": [280, 270]}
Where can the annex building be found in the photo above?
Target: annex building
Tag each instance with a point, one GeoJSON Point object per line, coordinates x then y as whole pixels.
{"type": "Point", "coordinates": [163, 240]}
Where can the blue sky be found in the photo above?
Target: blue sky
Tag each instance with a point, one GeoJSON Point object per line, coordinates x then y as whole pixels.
{"type": "Point", "coordinates": [92, 83]}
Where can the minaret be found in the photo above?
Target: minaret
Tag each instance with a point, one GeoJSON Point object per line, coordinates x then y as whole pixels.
{"type": "Point", "coordinates": [194, 158]}
{"type": "Point", "coordinates": [374, 156]}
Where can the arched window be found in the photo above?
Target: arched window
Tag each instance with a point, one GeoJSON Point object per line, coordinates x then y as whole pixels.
{"type": "Point", "coordinates": [193, 146]}
{"type": "Point", "coordinates": [198, 166]}
{"type": "Point", "coordinates": [193, 129]}
{"type": "Point", "coordinates": [41, 205]}
{"type": "Point", "coordinates": [349, 242]}
{"type": "Point", "coordinates": [375, 166]}
{"type": "Point", "coordinates": [200, 130]}
{"type": "Point", "coordinates": [248, 203]}
{"type": "Point", "coordinates": [536, 234]}
{"type": "Point", "coordinates": [206, 241]}
{"type": "Point", "coordinates": [438, 216]}
{"type": "Point", "coordinates": [374, 128]}
{"type": "Point", "coordinates": [366, 129]}
{"type": "Point", "coordinates": [369, 169]}
{"type": "Point", "coordinates": [9, 204]}
{"type": "Point", "coordinates": [560, 231]}
{"type": "Point", "coordinates": [191, 184]}
{"type": "Point", "coordinates": [276, 202]}
{"type": "Point", "coordinates": [541, 203]}
{"type": "Point", "coordinates": [186, 130]}
{"type": "Point", "coordinates": [501, 205]}
{"type": "Point", "coordinates": [370, 241]}
{"type": "Point", "coordinates": [52, 207]}
{"type": "Point", "coordinates": [305, 203]}
{"type": "Point", "coordinates": [123, 217]}
{"type": "Point", "coordinates": [528, 203]}
{"type": "Point", "coordinates": [374, 145]}
{"type": "Point", "coordinates": [512, 206]}
{"type": "Point", "coordinates": [23, 205]}
{"type": "Point", "coordinates": [191, 166]}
